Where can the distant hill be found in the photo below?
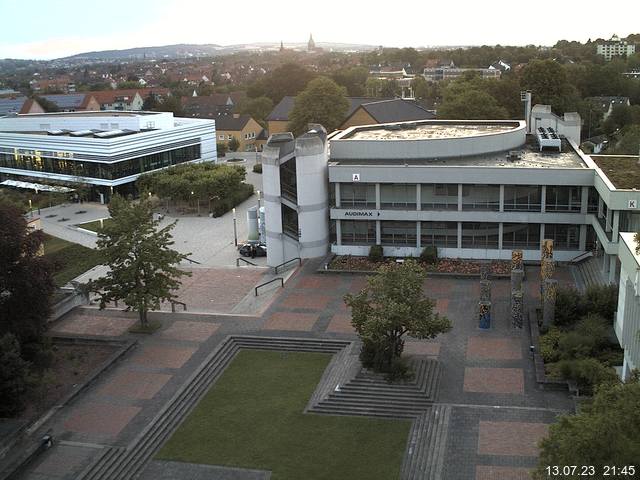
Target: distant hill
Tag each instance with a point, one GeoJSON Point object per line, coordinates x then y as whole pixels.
{"type": "Point", "coordinates": [206, 50]}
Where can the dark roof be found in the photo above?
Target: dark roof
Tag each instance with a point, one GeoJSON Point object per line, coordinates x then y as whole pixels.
{"type": "Point", "coordinates": [71, 100]}
{"type": "Point", "coordinates": [263, 135]}
{"type": "Point", "coordinates": [397, 110]}
{"type": "Point", "coordinates": [604, 100]}
{"type": "Point", "coordinates": [282, 110]}
{"type": "Point", "coordinates": [12, 105]}
{"type": "Point", "coordinates": [231, 122]}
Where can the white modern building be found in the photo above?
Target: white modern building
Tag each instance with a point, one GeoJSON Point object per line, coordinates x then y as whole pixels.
{"type": "Point", "coordinates": [627, 324]}
{"type": "Point", "coordinates": [614, 47]}
{"type": "Point", "coordinates": [105, 149]}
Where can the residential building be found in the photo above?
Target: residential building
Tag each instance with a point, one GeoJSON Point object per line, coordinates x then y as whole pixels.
{"type": "Point", "coordinates": [387, 111]}
{"type": "Point", "coordinates": [106, 150]}
{"type": "Point", "coordinates": [447, 72]}
{"type": "Point", "coordinates": [73, 102]}
{"type": "Point", "coordinates": [123, 99]}
{"type": "Point", "coordinates": [607, 104]}
{"type": "Point", "coordinates": [627, 322]}
{"type": "Point", "coordinates": [242, 127]}
{"type": "Point", "coordinates": [211, 106]}
{"type": "Point", "coordinates": [19, 104]}
{"type": "Point", "coordinates": [614, 47]}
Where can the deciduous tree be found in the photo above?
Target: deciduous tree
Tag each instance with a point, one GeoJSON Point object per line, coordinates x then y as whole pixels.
{"type": "Point", "coordinates": [323, 102]}
{"type": "Point", "coordinates": [142, 265]}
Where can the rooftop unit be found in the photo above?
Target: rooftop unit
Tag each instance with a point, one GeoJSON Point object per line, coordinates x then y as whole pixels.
{"type": "Point", "coordinates": [547, 137]}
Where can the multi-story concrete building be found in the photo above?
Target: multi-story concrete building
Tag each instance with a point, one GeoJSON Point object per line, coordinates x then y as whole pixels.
{"type": "Point", "coordinates": [614, 47]}
{"type": "Point", "coordinates": [627, 323]}
{"type": "Point", "coordinates": [451, 73]}
{"type": "Point", "coordinates": [106, 150]}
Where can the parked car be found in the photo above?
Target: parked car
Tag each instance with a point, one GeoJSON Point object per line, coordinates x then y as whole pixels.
{"type": "Point", "coordinates": [260, 250]}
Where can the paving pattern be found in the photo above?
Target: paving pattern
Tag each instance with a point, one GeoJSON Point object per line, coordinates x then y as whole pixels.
{"type": "Point", "coordinates": [495, 411]}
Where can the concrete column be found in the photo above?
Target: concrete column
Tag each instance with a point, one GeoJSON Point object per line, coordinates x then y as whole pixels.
{"type": "Point", "coordinates": [582, 246]}
{"type": "Point", "coordinates": [584, 200]}
{"type": "Point", "coordinates": [338, 199]}
{"type": "Point", "coordinates": [600, 204]}
{"type": "Point", "coordinates": [338, 232]}
{"type": "Point", "coordinates": [616, 225]}
{"type": "Point", "coordinates": [543, 198]}
{"type": "Point", "coordinates": [613, 267]}
{"type": "Point", "coordinates": [459, 234]}
{"type": "Point", "coordinates": [418, 197]}
{"type": "Point", "coordinates": [609, 222]}
{"type": "Point", "coordinates": [418, 239]}
{"type": "Point", "coordinates": [378, 233]}
{"type": "Point", "coordinates": [500, 232]}
{"type": "Point", "coordinates": [377, 197]}
{"type": "Point", "coordinates": [501, 199]}
{"type": "Point", "coordinates": [459, 197]}
{"type": "Point", "coordinates": [541, 234]}
{"type": "Point", "coordinates": [484, 314]}
{"type": "Point", "coordinates": [549, 290]}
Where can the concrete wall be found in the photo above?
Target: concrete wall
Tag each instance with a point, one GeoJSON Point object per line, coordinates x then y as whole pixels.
{"type": "Point", "coordinates": [627, 321]}
{"type": "Point", "coordinates": [569, 125]}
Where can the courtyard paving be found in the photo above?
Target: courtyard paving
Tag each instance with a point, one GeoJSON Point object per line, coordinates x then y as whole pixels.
{"type": "Point", "coordinates": [498, 412]}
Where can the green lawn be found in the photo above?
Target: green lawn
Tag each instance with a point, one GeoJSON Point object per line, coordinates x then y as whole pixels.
{"type": "Point", "coordinates": [93, 226]}
{"type": "Point", "coordinates": [69, 259]}
{"type": "Point", "coordinates": [253, 418]}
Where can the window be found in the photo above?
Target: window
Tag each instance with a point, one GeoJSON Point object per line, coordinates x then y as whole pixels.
{"type": "Point", "coordinates": [480, 235]}
{"type": "Point", "coordinates": [221, 137]}
{"type": "Point", "coordinates": [565, 237]}
{"type": "Point", "coordinates": [358, 232]}
{"type": "Point", "coordinates": [520, 236]}
{"type": "Point", "coordinates": [359, 195]}
{"type": "Point", "coordinates": [592, 204]}
{"type": "Point", "coordinates": [399, 196]}
{"type": "Point", "coordinates": [229, 137]}
{"type": "Point", "coordinates": [481, 197]}
{"type": "Point", "coordinates": [290, 222]}
{"type": "Point", "coordinates": [402, 234]}
{"type": "Point", "coordinates": [563, 199]}
{"type": "Point", "coordinates": [522, 198]}
{"type": "Point", "coordinates": [288, 180]}
{"type": "Point", "coordinates": [439, 234]}
{"type": "Point", "coordinates": [439, 196]}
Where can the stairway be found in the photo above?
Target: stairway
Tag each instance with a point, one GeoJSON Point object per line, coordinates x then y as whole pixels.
{"type": "Point", "coordinates": [424, 457]}
{"type": "Point", "coordinates": [369, 394]}
{"type": "Point", "coordinates": [589, 272]}
{"type": "Point", "coordinates": [117, 463]}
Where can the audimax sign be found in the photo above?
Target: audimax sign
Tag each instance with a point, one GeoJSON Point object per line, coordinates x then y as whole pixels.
{"type": "Point", "coordinates": [361, 213]}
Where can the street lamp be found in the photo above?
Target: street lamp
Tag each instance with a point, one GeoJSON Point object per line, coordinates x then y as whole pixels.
{"type": "Point", "coordinates": [258, 200]}
{"type": "Point", "coordinates": [235, 227]}
{"type": "Point", "coordinates": [30, 209]}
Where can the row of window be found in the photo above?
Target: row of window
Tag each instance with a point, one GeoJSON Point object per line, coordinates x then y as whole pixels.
{"type": "Point", "coordinates": [445, 234]}
{"type": "Point", "coordinates": [247, 136]}
{"type": "Point", "coordinates": [108, 171]}
{"type": "Point", "coordinates": [474, 197]}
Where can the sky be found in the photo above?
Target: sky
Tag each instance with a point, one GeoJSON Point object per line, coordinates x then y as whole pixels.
{"type": "Point", "coordinates": [45, 29]}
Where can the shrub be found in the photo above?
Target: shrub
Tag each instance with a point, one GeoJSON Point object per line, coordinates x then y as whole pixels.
{"type": "Point", "coordinates": [588, 373]}
{"type": "Point", "coordinates": [376, 253]}
{"type": "Point", "coordinates": [14, 372]}
{"type": "Point", "coordinates": [549, 345]}
{"type": "Point", "coordinates": [601, 299]}
{"type": "Point", "coordinates": [257, 168]}
{"type": "Point", "coordinates": [222, 206]}
{"type": "Point", "coordinates": [429, 254]}
{"type": "Point", "coordinates": [586, 340]}
{"type": "Point", "coordinates": [569, 306]}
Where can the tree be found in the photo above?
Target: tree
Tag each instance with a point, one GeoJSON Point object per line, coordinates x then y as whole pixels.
{"type": "Point", "coordinates": [393, 304]}
{"type": "Point", "coordinates": [629, 141]}
{"type": "Point", "coordinates": [323, 101]}
{"type": "Point", "coordinates": [221, 148]}
{"type": "Point", "coordinates": [353, 79]}
{"type": "Point", "coordinates": [605, 432]}
{"type": "Point", "coordinates": [547, 80]}
{"type": "Point", "coordinates": [470, 104]}
{"type": "Point", "coordinates": [258, 108]}
{"type": "Point", "coordinates": [142, 266]}
{"type": "Point", "coordinates": [26, 282]}
{"type": "Point", "coordinates": [13, 376]}
{"type": "Point", "coordinates": [233, 144]}
{"type": "Point", "coordinates": [150, 103]}
{"type": "Point", "coordinates": [47, 105]}
{"type": "Point", "coordinates": [287, 79]}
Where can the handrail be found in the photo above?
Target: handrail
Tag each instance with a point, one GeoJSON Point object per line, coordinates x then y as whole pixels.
{"type": "Point", "coordinates": [581, 257]}
{"type": "Point", "coordinates": [192, 261]}
{"type": "Point", "coordinates": [245, 261]}
{"type": "Point", "coordinates": [288, 261]}
{"type": "Point", "coordinates": [270, 281]}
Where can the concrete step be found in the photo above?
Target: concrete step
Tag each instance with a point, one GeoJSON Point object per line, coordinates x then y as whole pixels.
{"type": "Point", "coordinates": [367, 412]}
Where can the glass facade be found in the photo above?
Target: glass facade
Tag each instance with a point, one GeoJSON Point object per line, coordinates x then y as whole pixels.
{"type": "Point", "coordinates": [355, 232]}
{"type": "Point", "coordinates": [522, 198]}
{"type": "Point", "coordinates": [565, 237]}
{"type": "Point", "coordinates": [480, 235]}
{"type": "Point", "coordinates": [102, 170]}
{"type": "Point", "coordinates": [290, 221]}
{"type": "Point", "coordinates": [439, 196]}
{"type": "Point", "coordinates": [563, 199]}
{"type": "Point", "coordinates": [439, 234]}
{"type": "Point", "coordinates": [481, 197]}
{"type": "Point", "coordinates": [357, 195]}
{"type": "Point", "coordinates": [592, 202]}
{"type": "Point", "coordinates": [402, 234]}
{"type": "Point", "coordinates": [288, 180]}
{"type": "Point", "coordinates": [401, 196]}
{"type": "Point", "coordinates": [524, 236]}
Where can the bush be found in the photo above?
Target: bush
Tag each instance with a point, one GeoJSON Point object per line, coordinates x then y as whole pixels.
{"type": "Point", "coordinates": [569, 306]}
{"type": "Point", "coordinates": [222, 206]}
{"type": "Point", "coordinates": [257, 168]}
{"type": "Point", "coordinates": [586, 340]}
{"type": "Point", "coordinates": [549, 345]}
{"type": "Point", "coordinates": [429, 254]}
{"type": "Point", "coordinates": [588, 373]}
{"type": "Point", "coordinates": [376, 253]}
{"type": "Point", "coordinates": [14, 372]}
{"type": "Point", "coordinates": [601, 299]}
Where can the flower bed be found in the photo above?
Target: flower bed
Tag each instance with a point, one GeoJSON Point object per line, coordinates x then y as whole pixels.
{"type": "Point", "coordinates": [455, 266]}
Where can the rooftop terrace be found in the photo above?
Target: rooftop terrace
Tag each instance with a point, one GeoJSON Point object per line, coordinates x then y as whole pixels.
{"type": "Point", "coordinates": [623, 171]}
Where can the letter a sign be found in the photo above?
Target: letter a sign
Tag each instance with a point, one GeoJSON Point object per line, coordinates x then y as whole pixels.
{"type": "Point", "coordinates": [356, 177]}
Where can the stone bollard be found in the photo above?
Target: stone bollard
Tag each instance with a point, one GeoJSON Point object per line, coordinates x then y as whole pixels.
{"type": "Point", "coordinates": [484, 314]}
{"type": "Point", "coordinates": [485, 291]}
{"type": "Point", "coordinates": [517, 260]}
{"type": "Point", "coordinates": [549, 292]}
{"type": "Point", "coordinates": [517, 277]}
{"type": "Point", "coordinates": [517, 309]}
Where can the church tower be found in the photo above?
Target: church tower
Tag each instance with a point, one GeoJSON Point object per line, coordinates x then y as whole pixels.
{"type": "Point", "coordinates": [311, 46]}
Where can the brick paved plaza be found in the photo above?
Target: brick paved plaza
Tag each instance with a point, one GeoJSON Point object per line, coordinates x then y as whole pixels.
{"type": "Point", "coordinates": [498, 412]}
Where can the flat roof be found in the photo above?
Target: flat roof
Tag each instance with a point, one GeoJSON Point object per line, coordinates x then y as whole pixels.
{"type": "Point", "coordinates": [622, 170]}
{"type": "Point", "coordinates": [434, 129]}
{"type": "Point", "coordinates": [526, 156]}
{"type": "Point", "coordinates": [91, 113]}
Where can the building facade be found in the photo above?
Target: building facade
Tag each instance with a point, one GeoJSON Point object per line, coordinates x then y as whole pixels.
{"type": "Point", "coordinates": [614, 47]}
{"type": "Point", "coordinates": [105, 150]}
{"type": "Point", "coordinates": [627, 322]}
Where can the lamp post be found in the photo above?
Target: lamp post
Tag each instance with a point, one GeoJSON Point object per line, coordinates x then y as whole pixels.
{"type": "Point", "coordinates": [258, 200]}
{"type": "Point", "coordinates": [30, 209]}
{"type": "Point", "coordinates": [235, 228]}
